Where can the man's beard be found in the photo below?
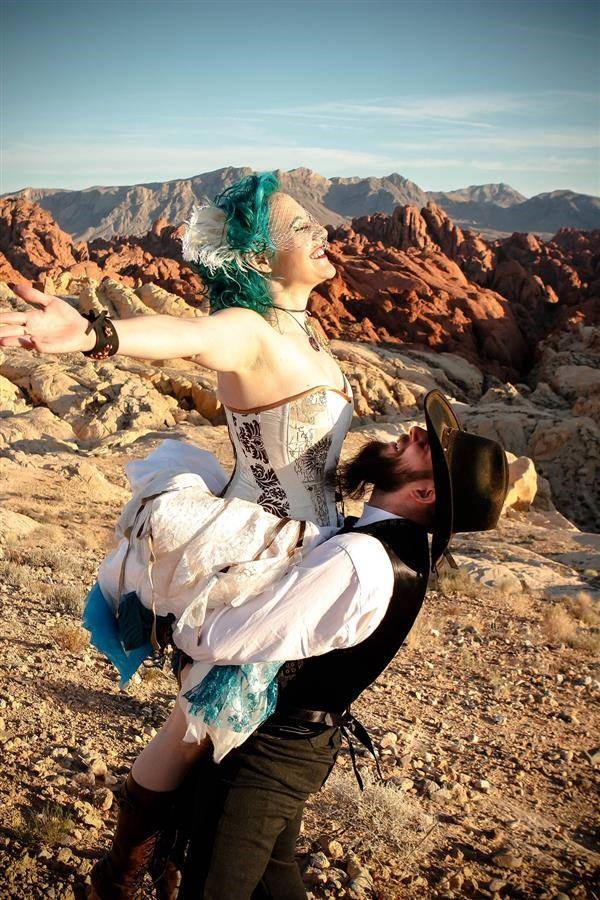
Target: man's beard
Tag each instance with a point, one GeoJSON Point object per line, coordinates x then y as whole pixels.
{"type": "Point", "coordinates": [374, 464]}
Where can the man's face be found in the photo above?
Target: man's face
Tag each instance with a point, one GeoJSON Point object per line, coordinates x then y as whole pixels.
{"type": "Point", "coordinates": [413, 451]}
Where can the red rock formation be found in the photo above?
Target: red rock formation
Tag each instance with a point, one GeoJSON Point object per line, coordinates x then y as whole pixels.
{"type": "Point", "coordinates": [539, 278]}
{"type": "Point", "coordinates": [416, 296]}
{"type": "Point", "coordinates": [403, 229]}
{"type": "Point", "coordinates": [155, 257]}
{"type": "Point", "coordinates": [32, 242]}
{"type": "Point", "coordinates": [7, 273]}
{"type": "Point", "coordinates": [410, 277]}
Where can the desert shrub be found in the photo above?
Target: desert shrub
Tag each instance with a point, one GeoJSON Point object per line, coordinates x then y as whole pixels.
{"type": "Point", "coordinates": [18, 576]}
{"type": "Point", "coordinates": [470, 661]}
{"type": "Point", "coordinates": [520, 603]}
{"type": "Point", "coordinates": [419, 634]}
{"type": "Point", "coordinates": [455, 581]}
{"type": "Point", "coordinates": [49, 825]}
{"type": "Point", "coordinates": [380, 817]}
{"type": "Point", "coordinates": [65, 598]}
{"type": "Point", "coordinates": [558, 624]}
{"type": "Point", "coordinates": [10, 572]}
{"type": "Point", "coordinates": [498, 681]}
{"type": "Point", "coordinates": [46, 535]}
{"type": "Point", "coordinates": [573, 622]}
{"type": "Point", "coordinates": [8, 540]}
{"type": "Point", "coordinates": [69, 637]}
{"type": "Point", "coordinates": [586, 640]}
{"type": "Point", "coordinates": [583, 608]}
{"type": "Point", "coordinates": [37, 557]}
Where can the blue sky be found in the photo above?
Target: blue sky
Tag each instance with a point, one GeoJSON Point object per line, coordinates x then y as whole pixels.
{"type": "Point", "coordinates": [445, 93]}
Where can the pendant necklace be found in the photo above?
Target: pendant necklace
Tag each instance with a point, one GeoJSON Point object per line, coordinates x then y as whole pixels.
{"type": "Point", "coordinates": [312, 340]}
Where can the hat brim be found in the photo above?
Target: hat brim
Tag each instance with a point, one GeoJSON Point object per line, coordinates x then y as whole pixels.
{"type": "Point", "coordinates": [439, 417]}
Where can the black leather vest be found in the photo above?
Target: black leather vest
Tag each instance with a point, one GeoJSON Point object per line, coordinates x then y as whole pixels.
{"type": "Point", "coordinates": [332, 682]}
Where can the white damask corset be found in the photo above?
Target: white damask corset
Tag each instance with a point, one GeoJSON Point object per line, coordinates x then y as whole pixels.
{"type": "Point", "coordinates": [287, 453]}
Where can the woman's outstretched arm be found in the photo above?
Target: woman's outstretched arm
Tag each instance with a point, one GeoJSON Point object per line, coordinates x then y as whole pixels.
{"type": "Point", "coordinates": [227, 341]}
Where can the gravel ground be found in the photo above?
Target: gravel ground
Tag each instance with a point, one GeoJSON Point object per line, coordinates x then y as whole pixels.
{"type": "Point", "coordinates": [486, 726]}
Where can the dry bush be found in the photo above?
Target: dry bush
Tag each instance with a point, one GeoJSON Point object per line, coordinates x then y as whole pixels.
{"type": "Point", "coordinates": [520, 604]}
{"type": "Point", "coordinates": [455, 581]}
{"type": "Point", "coordinates": [10, 539]}
{"type": "Point", "coordinates": [47, 535]}
{"type": "Point", "coordinates": [69, 637]}
{"type": "Point", "coordinates": [588, 641]}
{"type": "Point", "coordinates": [583, 608]}
{"type": "Point", "coordinates": [558, 625]}
{"type": "Point", "coordinates": [10, 572]}
{"type": "Point", "coordinates": [470, 660]}
{"type": "Point", "coordinates": [49, 825]}
{"type": "Point", "coordinates": [379, 818]}
{"type": "Point", "coordinates": [38, 557]}
{"type": "Point", "coordinates": [65, 598]}
{"type": "Point", "coordinates": [574, 623]}
{"type": "Point", "coordinates": [419, 634]}
{"type": "Point", "coordinates": [499, 682]}
{"type": "Point", "coordinates": [18, 576]}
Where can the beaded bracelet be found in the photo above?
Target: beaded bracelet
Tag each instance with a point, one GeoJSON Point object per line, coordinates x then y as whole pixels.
{"type": "Point", "coordinates": [107, 339]}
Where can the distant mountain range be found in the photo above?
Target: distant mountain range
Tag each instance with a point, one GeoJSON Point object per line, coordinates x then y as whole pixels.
{"type": "Point", "coordinates": [495, 210]}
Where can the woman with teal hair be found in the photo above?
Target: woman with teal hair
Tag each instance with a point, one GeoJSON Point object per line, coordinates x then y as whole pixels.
{"type": "Point", "coordinates": [288, 407]}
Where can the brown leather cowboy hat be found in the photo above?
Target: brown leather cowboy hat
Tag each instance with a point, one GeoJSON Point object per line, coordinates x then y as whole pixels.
{"type": "Point", "coordinates": [470, 475]}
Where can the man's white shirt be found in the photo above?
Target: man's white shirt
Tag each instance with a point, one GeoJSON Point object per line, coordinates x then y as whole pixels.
{"type": "Point", "coordinates": [333, 599]}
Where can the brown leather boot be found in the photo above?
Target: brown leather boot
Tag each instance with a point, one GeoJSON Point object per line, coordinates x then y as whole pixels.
{"type": "Point", "coordinates": [118, 875]}
{"type": "Point", "coordinates": [166, 885]}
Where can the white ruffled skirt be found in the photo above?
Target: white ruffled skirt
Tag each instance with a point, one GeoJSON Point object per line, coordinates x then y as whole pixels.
{"type": "Point", "coordinates": [185, 550]}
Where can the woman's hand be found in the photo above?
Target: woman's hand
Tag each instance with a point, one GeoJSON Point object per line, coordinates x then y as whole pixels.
{"type": "Point", "coordinates": [229, 341]}
{"type": "Point", "coordinates": [54, 327]}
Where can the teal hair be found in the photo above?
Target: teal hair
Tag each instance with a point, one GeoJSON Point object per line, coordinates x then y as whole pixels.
{"type": "Point", "coordinates": [246, 207]}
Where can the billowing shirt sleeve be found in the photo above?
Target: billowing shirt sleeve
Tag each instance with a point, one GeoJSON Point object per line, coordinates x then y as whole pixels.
{"type": "Point", "coordinates": [334, 598]}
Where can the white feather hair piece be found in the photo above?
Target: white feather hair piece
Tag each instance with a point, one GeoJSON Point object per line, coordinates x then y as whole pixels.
{"type": "Point", "coordinates": [205, 242]}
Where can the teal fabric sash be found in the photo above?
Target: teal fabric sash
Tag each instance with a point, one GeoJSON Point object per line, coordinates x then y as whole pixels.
{"type": "Point", "coordinates": [100, 620]}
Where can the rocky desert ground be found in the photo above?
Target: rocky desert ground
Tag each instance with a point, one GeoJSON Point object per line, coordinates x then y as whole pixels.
{"type": "Point", "coordinates": [486, 724]}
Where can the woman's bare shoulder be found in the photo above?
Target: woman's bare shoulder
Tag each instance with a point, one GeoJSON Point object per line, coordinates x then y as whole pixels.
{"type": "Point", "coordinates": [241, 317]}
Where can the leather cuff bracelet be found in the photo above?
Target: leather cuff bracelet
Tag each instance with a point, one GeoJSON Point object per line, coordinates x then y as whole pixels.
{"type": "Point", "coordinates": [107, 339]}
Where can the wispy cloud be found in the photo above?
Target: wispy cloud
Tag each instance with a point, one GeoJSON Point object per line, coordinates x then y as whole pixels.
{"type": "Point", "coordinates": [566, 164]}
{"type": "Point", "coordinates": [115, 163]}
{"type": "Point", "coordinates": [509, 139]}
{"type": "Point", "coordinates": [471, 110]}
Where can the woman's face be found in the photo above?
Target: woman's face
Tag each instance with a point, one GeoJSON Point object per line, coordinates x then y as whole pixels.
{"type": "Point", "coordinates": [300, 242]}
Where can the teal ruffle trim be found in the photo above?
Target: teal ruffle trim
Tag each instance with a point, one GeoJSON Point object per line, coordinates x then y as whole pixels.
{"type": "Point", "coordinates": [236, 697]}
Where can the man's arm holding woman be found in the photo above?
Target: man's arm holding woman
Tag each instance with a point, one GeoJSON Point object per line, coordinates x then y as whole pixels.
{"type": "Point", "coordinates": [335, 598]}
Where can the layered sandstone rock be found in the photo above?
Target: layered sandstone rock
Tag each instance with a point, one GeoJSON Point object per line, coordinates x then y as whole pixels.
{"type": "Point", "coordinates": [558, 438]}
{"type": "Point", "coordinates": [94, 402]}
{"type": "Point", "coordinates": [564, 447]}
{"type": "Point", "coordinates": [546, 282]}
{"type": "Point", "coordinates": [34, 431]}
